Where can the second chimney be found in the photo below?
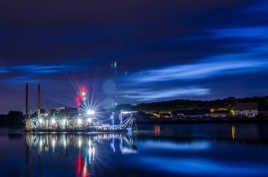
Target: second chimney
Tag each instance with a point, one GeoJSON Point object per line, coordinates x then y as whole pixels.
{"type": "Point", "coordinates": [39, 101]}
{"type": "Point", "coordinates": [27, 100]}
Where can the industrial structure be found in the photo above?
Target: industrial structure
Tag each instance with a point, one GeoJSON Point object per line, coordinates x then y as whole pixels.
{"type": "Point", "coordinates": [82, 118]}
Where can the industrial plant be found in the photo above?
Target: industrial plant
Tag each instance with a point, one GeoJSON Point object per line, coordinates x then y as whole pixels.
{"type": "Point", "coordinates": [82, 118]}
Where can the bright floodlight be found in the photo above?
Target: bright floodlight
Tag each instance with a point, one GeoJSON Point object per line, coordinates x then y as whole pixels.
{"type": "Point", "coordinates": [53, 121]}
{"type": "Point", "coordinates": [83, 93]}
{"type": "Point", "coordinates": [125, 112]}
{"type": "Point", "coordinates": [89, 120]}
{"type": "Point", "coordinates": [79, 121]}
{"type": "Point", "coordinates": [90, 112]}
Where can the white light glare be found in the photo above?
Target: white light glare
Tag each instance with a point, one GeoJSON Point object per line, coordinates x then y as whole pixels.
{"type": "Point", "coordinates": [53, 143]}
{"type": "Point", "coordinates": [91, 150]}
{"type": "Point", "coordinates": [89, 142]}
{"type": "Point", "coordinates": [40, 121]}
{"type": "Point", "coordinates": [79, 121]}
{"type": "Point", "coordinates": [89, 120]}
{"type": "Point", "coordinates": [53, 121]}
{"type": "Point", "coordinates": [125, 112]}
{"type": "Point", "coordinates": [79, 142]}
{"type": "Point", "coordinates": [90, 112]}
{"type": "Point", "coordinates": [83, 93]}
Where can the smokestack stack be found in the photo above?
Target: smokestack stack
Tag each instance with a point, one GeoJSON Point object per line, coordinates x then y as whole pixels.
{"type": "Point", "coordinates": [39, 99]}
{"type": "Point", "coordinates": [27, 101]}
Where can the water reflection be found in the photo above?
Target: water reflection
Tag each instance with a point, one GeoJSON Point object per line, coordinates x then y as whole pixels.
{"type": "Point", "coordinates": [157, 130]}
{"type": "Point", "coordinates": [153, 150]}
{"type": "Point", "coordinates": [235, 133]}
{"type": "Point", "coordinates": [83, 148]}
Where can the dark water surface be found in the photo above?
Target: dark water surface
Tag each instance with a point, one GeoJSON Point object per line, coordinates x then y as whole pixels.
{"type": "Point", "coordinates": [155, 150]}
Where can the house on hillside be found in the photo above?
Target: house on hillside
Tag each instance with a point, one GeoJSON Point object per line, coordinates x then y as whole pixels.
{"type": "Point", "coordinates": [165, 116]}
{"type": "Point", "coordinates": [219, 114]}
{"type": "Point", "coordinates": [190, 114]}
{"type": "Point", "coordinates": [246, 110]}
{"type": "Point", "coordinates": [263, 109]}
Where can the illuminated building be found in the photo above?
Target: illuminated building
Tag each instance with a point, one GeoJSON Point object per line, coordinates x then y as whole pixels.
{"type": "Point", "coordinates": [82, 118]}
{"type": "Point", "coordinates": [249, 110]}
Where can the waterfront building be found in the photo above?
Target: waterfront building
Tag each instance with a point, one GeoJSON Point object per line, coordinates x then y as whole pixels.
{"type": "Point", "coordinates": [246, 110]}
{"type": "Point", "coordinates": [165, 116]}
{"type": "Point", "coordinates": [190, 113]}
{"type": "Point", "coordinates": [219, 114]}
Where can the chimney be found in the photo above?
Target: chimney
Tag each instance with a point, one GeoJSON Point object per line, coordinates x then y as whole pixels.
{"type": "Point", "coordinates": [39, 102]}
{"type": "Point", "coordinates": [27, 101]}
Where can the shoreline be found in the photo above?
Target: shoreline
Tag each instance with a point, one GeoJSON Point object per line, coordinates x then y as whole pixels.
{"type": "Point", "coordinates": [201, 120]}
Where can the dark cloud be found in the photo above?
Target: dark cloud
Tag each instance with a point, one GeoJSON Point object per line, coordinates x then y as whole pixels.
{"type": "Point", "coordinates": [105, 11]}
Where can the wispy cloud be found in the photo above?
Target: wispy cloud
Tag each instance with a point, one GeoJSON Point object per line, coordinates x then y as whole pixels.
{"type": "Point", "coordinates": [42, 69]}
{"type": "Point", "coordinates": [259, 32]}
{"type": "Point", "coordinates": [74, 65]}
{"type": "Point", "coordinates": [228, 64]}
{"type": "Point", "coordinates": [155, 94]}
{"type": "Point", "coordinates": [18, 80]}
{"type": "Point", "coordinates": [3, 70]}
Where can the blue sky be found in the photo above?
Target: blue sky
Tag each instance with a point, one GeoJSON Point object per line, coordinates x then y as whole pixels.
{"type": "Point", "coordinates": [165, 50]}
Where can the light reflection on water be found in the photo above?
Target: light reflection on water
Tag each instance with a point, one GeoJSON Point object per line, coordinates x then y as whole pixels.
{"type": "Point", "coordinates": [197, 166]}
{"type": "Point", "coordinates": [154, 150]}
{"type": "Point", "coordinates": [86, 150]}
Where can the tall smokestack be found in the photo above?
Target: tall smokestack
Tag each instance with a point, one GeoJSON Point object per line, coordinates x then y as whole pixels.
{"type": "Point", "coordinates": [27, 100]}
{"type": "Point", "coordinates": [39, 99]}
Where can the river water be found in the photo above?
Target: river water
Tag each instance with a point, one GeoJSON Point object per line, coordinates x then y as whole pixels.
{"type": "Point", "coordinates": [154, 150]}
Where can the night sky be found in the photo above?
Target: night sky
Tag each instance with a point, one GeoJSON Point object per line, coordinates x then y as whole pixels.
{"type": "Point", "coordinates": [164, 49]}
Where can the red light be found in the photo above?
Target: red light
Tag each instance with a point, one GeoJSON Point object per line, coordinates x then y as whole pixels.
{"type": "Point", "coordinates": [78, 104]}
{"type": "Point", "coordinates": [84, 164]}
{"type": "Point", "coordinates": [78, 98]}
{"type": "Point", "coordinates": [83, 88]}
{"type": "Point", "coordinates": [79, 164]}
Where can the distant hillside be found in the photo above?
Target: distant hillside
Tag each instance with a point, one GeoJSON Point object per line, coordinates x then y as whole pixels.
{"type": "Point", "coordinates": [13, 118]}
{"type": "Point", "coordinates": [228, 103]}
